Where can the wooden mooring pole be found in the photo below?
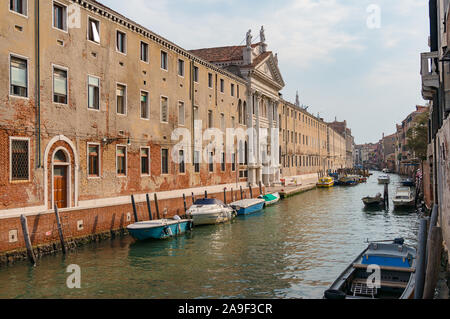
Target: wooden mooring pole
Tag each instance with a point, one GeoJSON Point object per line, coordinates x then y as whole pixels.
{"type": "Point", "coordinates": [251, 191]}
{"type": "Point", "coordinates": [386, 195]}
{"type": "Point", "coordinates": [136, 219]}
{"type": "Point", "coordinates": [232, 195]}
{"type": "Point", "coordinates": [260, 188]}
{"type": "Point", "coordinates": [225, 195]}
{"type": "Point", "coordinates": [149, 207]}
{"type": "Point", "coordinates": [433, 263]}
{"type": "Point", "coordinates": [26, 236]}
{"type": "Point", "coordinates": [60, 231]}
{"type": "Point", "coordinates": [206, 194]}
{"type": "Point", "coordinates": [193, 198]}
{"type": "Point", "coordinates": [157, 207]}
{"type": "Point", "coordinates": [421, 260]}
{"type": "Point", "coordinates": [242, 193]}
{"type": "Point", "coordinates": [185, 204]}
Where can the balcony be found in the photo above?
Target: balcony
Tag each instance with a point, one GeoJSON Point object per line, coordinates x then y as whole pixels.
{"type": "Point", "coordinates": [430, 75]}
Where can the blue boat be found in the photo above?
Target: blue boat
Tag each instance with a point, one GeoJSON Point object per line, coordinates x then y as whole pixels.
{"type": "Point", "coordinates": [159, 229]}
{"type": "Point", "coordinates": [248, 206]}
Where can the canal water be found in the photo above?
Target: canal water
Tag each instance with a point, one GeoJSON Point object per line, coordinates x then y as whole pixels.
{"type": "Point", "coordinates": [292, 250]}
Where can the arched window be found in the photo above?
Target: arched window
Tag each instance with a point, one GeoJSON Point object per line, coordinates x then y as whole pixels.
{"type": "Point", "coordinates": [60, 157]}
{"type": "Point", "coordinates": [244, 114]}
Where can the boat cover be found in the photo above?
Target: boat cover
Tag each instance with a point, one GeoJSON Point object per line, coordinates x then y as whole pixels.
{"type": "Point", "coordinates": [208, 201]}
{"type": "Point", "coordinates": [270, 197]}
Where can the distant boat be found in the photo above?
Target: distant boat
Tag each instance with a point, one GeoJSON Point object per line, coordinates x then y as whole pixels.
{"type": "Point", "coordinates": [325, 182]}
{"type": "Point", "coordinates": [373, 201]}
{"type": "Point", "coordinates": [404, 198]}
{"type": "Point", "coordinates": [210, 211]}
{"type": "Point", "coordinates": [397, 263]}
{"type": "Point", "coordinates": [248, 206]}
{"type": "Point", "coordinates": [271, 199]}
{"type": "Point", "coordinates": [159, 229]}
{"type": "Point", "coordinates": [349, 180]}
{"type": "Point", "coordinates": [384, 179]}
{"type": "Point", "coordinates": [409, 182]}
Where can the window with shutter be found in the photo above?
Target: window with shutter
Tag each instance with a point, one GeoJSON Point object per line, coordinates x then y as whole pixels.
{"type": "Point", "coordinates": [145, 113]}
{"type": "Point", "coordinates": [94, 30]}
{"type": "Point", "coordinates": [121, 99]}
{"type": "Point", "coordinates": [164, 110]}
{"type": "Point", "coordinates": [93, 93]}
{"type": "Point", "coordinates": [59, 86]}
{"type": "Point", "coordinates": [18, 77]}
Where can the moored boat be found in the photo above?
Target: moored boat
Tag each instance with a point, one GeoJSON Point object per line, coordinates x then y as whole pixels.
{"type": "Point", "coordinates": [408, 182]}
{"type": "Point", "coordinates": [373, 201]}
{"type": "Point", "coordinates": [325, 182]}
{"type": "Point", "coordinates": [271, 199]}
{"type": "Point", "coordinates": [159, 229]}
{"type": "Point", "coordinates": [210, 211]}
{"type": "Point", "coordinates": [397, 265]}
{"type": "Point", "coordinates": [404, 198]}
{"type": "Point", "coordinates": [384, 179]}
{"type": "Point", "coordinates": [348, 181]}
{"type": "Point", "coordinates": [248, 206]}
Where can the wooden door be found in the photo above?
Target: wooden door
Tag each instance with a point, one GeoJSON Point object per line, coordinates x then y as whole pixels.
{"type": "Point", "coordinates": [60, 186]}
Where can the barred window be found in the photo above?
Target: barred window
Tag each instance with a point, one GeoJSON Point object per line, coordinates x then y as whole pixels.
{"type": "Point", "coordinates": [19, 160]}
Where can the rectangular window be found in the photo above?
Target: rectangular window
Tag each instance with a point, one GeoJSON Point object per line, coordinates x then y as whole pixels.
{"type": "Point", "coordinates": [195, 74]}
{"type": "Point", "coordinates": [210, 80]}
{"type": "Point", "coordinates": [181, 113]}
{"type": "Point", "coordinates": [196, 161]}
{"type": "Point", "coordinates": [181, 67]}
{"type": "Point", "coordinates": [211, 162]}
{"type": "Point", "coordinates": [94, 161]}
{"type": "Point", "coordinates": [121, 101]}
{"type": "Point", "coordinates": [93, 93]}
{"type": "Point", "coordinates": [232, 89]}
{"type": "Point", "coordinates": [145, 161]}
{"type": "Point", "coordinates": [59, 85]}
{"type": "Point", "coordinates": [145, 112]}
{"type": "Point", "coordinates": [223, 164]}
{"type": "Point", "coordinates": [144, 52]}
{"type": "Point", "coordinates": [164, 64]}
{"type": "Point", "coordinates": [19, 6]}
{"type": "Point", "coordinates": [121, 156]}
{"type": "Point", "coordinates": [182, 162]}
{"type": "Point", "coordinates": [19, 77]}
{"type": "Point", "coordinates": [210, 119]}
{"type": "Point", "coordinates": [93, 30]}
{"type": "Point", "coordinates": [164, 110]}
{"type": "Point", "coordinates": [222, 86]}
{"type": "Point", "coordinates": [121, 42]}
{"type": "Point", "coordinates": [164, 161]}
{"type": "Point", "coordinates": [59, 16]}
{"type": "Point", "coordinates": [20, 160]}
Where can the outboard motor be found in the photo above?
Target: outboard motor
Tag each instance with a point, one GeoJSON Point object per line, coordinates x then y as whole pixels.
{"type": "Point", "coordinates": [399, 241]}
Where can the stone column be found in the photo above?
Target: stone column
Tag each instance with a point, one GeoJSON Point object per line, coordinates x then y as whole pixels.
{"type": "Point", "coordinates": [251, 148]}
{"type": "Point", "coordinates": [258, 138]}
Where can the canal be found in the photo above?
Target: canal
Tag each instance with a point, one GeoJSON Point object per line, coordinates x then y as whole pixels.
{"type": "Point", "coordinates": [292, 250]}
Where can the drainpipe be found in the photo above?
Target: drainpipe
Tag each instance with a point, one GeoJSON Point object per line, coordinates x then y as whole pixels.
{"type": "Point", "coordinates": [38, 86]}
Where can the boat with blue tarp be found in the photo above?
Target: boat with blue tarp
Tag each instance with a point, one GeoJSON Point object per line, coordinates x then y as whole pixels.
{"type": "Point", "coordinates": [396, 263]}
{"type": "Point", "coordinates": [159, 229]}
{"type": "Point", "coordinates": [248, 206]}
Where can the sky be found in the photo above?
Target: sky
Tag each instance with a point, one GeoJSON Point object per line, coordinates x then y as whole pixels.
{"type": "Point", "coordinates": [354, 60]}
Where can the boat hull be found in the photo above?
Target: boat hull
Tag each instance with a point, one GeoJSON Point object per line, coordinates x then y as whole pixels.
{"type": "Point", "coordinates": [248, 206]}
{"type": "Point", "coordinates": [211, 218]}
{"type": "Point", "coordinates": [250, 210]}
{"type": "Point", "coordinates": [162, 231]}
{"type": "Point", "coordinates": [271, 202]}
{"type": "Point", "coordinates": [404, 204]}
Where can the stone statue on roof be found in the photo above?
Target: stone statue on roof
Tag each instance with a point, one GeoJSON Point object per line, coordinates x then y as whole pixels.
{"type": "Point", "coordinates": [249, 38]}
{"type": "Point", "coordinates": [262, 35]}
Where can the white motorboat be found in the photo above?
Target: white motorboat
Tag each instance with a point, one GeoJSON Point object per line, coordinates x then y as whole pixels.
{"type": "Point", "coordinates": [384, 179]}
{"type": "Point", "coordinates": [404, 197]}
{"type": "Point", "coordinates": [210, 211]}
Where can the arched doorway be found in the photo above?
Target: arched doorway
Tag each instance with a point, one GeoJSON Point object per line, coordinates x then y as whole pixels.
{"type": "Point", "coordinates": [61, 178]}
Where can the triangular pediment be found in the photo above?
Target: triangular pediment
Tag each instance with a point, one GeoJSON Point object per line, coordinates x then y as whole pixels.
{"type": "Point", "coordinates": [269, 68]}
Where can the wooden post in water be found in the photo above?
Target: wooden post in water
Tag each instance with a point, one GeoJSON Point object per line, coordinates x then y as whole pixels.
{"type": "Point", "coordinates": [232, 195]}
{"type": "Point", "coordinates": [421, 260]}
{"type": "Point", "coordinates": [60, 231]}
{"type": "Point", "coordinates": [185, 205]}
{"type": "Point", "coordinates": [242, 193]}
{"type": "Point", "coordinates": [251, 191]}
{"type": "Point", "coordinates": [386, 195]}
{"type": "Point", "coordinates": [225, 195]}
{"type": "Point", "coordinates": [434, 262]}
{"type": "Point", "coordinates": [136, 219]}
{"type": "Point", "coordinates": [193, 198]}
{"type": "Point", "coordinates": [149, 207]}
{"type": "Point", "coordinates": [260, 188]}
{"type": "Point", "coordinates": [206, 194]}
{"type": "Point", "coordinates": [157, 207]}
{"type": "Point", "coordinates": [26, 236]}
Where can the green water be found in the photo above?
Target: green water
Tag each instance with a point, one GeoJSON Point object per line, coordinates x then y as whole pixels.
{"type": "Point", "coordinates": [292, 250]}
